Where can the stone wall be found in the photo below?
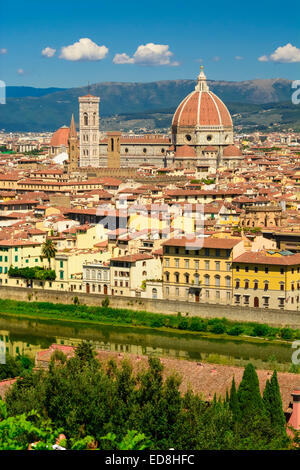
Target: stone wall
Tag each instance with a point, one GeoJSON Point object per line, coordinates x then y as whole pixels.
{"type": "Point", "coordinates": [271, 317]}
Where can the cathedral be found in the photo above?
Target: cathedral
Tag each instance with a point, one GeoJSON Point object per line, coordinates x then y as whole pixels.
{"type": "Point", "coordinates": [201, 138]}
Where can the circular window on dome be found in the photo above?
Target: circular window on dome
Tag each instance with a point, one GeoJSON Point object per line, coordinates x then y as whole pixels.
{"type": "Point", "coordinates": [162, 150]}
{"type": "Point", "coordinates": [188, 137]}
{"type": "Point", "coordinates": [126, 150]}
{"type": "Point", "coordinates": [209, 138]}
{"type": "Point", "coordinates": [145, 150]}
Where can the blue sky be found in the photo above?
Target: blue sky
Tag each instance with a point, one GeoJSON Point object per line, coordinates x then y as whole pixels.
{"type": "Point", "coordinates": [126, 39]}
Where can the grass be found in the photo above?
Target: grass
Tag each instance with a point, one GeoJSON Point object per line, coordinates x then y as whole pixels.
{"type": "Point", "coordinates": [218, 327]}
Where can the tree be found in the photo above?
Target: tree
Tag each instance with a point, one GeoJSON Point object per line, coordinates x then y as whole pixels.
{"type": "Point", "coordinates": [234, 402]}
{"type": "Point", "coordinates": [48, 250]}
{"type": "Point", "coordinates": [273, 403]}
{"type": "Point", "coordinates": [249, 397]}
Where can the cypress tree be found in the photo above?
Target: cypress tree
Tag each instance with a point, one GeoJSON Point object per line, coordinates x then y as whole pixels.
{"type": "Point", "coordinates": [273, 403]}
{"type": "Point", "coordinates": [233, 401]}
{"type": "Point", "coordinates": [249, 397]}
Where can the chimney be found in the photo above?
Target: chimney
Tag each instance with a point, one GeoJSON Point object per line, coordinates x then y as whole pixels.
{"type": "Point", "coordinates": [294, 420]}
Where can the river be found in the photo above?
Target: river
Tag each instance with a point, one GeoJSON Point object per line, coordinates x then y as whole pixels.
{"type": "Point", "coordinates": [22, 336]}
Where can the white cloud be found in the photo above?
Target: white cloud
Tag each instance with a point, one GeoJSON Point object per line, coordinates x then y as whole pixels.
{"type": "Point", "coordinates": [48, 52]}
{"type": "Point", "coordinates": [263, 58]}
{"type": "Point", "coordinates": [3, 51]}
{"type": "Point", "coordinates": [123, 59]}
{"type": "Point", "coordinates": [148, 54]}
{"type": "Point", "coordinates": [216, 58]}
{"type": "Point", "coordinates": [238, 57]}
{"type": "Point", "coordinates": [84, 49]}
{"type": "Point", "coordinates": [20, 72]}
{"type": "Point", "coordinates": [287, 54]}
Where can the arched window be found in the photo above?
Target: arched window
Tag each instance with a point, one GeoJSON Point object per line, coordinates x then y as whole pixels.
{"type": "Point", "coordinates": [144, 273]}
{"type": "Point", "coordinates": [196, 279]}
{"type": "Point", "coordinates": [112, 144]}
{"type": "Point", "coordinates": [266, 285]}
{"type": "Point", "coordinates": [94, 119]}
{"type": "Point", "coordinates": [206, 279]}
{"type": "Point", "coordinates": [154, 293]}
{"type": "Point", "coordinates": [228, 281]}
{"type": "Point", "coordinates": [167, 276]}
{"type": "Point", "coordinates": [176, 277]}
{"type": "Point", "coordinates": [187, 278]}
{"type": "Point", "coordinates": [85, 119]}
{"type": "Point", "coordinates": [246, 283]}
{"type": "Point", "coordinates": [217, 281]}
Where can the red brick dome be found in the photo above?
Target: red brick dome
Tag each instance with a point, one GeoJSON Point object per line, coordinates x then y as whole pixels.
{"type": "Point", "coordinates": [201, 108]}
{"type": "Point", "coordinates": [60, 137]}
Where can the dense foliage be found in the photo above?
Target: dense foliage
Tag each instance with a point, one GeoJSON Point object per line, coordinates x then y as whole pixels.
{"type": "Point", "coordinates": [89, 401]}
{"type": "Point", "coordinates": [32, 273]}
{"type": "Point", "coordinates": [110, 315]}
{"type": "Point", "coordinates": [15, 366]}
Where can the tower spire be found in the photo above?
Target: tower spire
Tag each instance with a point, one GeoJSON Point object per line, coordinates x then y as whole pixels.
{"type": "Point", "coordinates": [73, 132]}
{"type": "Point", "coordinates": [202, 83]}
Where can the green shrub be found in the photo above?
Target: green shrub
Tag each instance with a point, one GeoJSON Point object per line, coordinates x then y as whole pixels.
{"type": "Point", "coordinates": [286, 333]}
{"type": "Point", "coordinates": [105, 302]}
{"type": "Point", "coordinates": [260, 330]}
{"type": "Point", "coordinates": [197, 324]}
{"type": "Point", "coordinates": [183, 324]}
{"type": "Point", "coordinates": [218, 328]}
{"type": "Point", "coordinates": [235, 330]}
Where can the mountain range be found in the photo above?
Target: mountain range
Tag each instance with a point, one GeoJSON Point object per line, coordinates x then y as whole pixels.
{"type": "Point", "coordinates": [254, 104]}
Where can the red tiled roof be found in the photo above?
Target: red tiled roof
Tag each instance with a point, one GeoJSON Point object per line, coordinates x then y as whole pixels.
{"type": "Point", "coordinates": [60, 137]}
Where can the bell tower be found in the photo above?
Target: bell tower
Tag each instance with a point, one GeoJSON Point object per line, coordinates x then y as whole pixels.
{"type": "Point", "coordinates": [89, 130]}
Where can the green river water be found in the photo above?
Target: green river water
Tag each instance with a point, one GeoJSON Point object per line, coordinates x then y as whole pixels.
{"type": "Point", "coordinates": [23, 336]}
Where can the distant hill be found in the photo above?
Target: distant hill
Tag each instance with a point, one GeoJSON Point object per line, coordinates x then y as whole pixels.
{"type": "Point", "coordinates": [35, 109]}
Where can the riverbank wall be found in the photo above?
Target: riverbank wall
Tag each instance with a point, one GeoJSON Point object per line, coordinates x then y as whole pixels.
{"type": "Point", "coordinates": [235, 313]}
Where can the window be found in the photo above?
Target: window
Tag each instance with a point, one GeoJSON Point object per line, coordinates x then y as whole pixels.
{"type": "Point", "coordinates": [266, 270]}
{"type": "Point", "coordinates": [196, 264]}
{"type": "Point", "coordinates": [228, 295]}
{"type": "Point", "coordinates": [265, 301]}
{"type": "Point", "coordinates": [282, 286]}
{"type": "Point", "coordinates": [246, 284]}
{"type": "Point", "coordinates": [207, 294]}
{"type": "Point", "coordinates": [281, 271]}
{"type": "Point", "coordinates": [237, 283]}
{"type": "Point", "coordinates": [197, 279]}
{"type": "Point", "coordinates": [206, 279]}
{"type": "Point", "coordinates": [246, 269]}
{"type": "Point", "coordinates": [256, 269]}
{"type": "Point", "coordinates": [266, 285]}
{"type": "Point", "coordinates": [176, 262]}
{"type": "Point", "coordinates": [61, 264]}
{"type": "Point", "coordinates": [228, 266]}
{"type": "Point", "coordinates": [206, 251]}
{"type": "Point", "coordinates": [16, 259]}
{"type": "Point", "coordinates": [217, 294]}
{"type": "Point", "coordinates": [177, 291]}
{"type": "Point", "coordinates": [255, 285]}
{"type": "Point", "coordinates": [167, 262]}
{"type": "Point", "coordinates": [293, 286]}
{"type": "Point", "coordinates": [217, 265]}
{"type": "Point", "coordinates": [217, 281]}
{"type": "Point", "coordinates": [61, 274]}
{"type": "Point", "coordinates": [187, 263]}
{"type": "Point", "coordinates": [176, 277]}
{"type": "Point", "coordinates": [237, 269]}
{"type": "Point", "coordinates": [167, 291]}
{"type": "Point", "coordinates": [217, 252]}
{"type": "Point", "coordinates": [237, 298]}
{"type": "Point", "coordinates": [167, 276]}
{"type": "Point", "coordinates": [176, 250]}
{"type": "Point", "coordinates": [227, 253]}
{"type": "Point", "coordinates": [167, 249]}
{"type": "Point", "coordinates": [246, 299]}
{"type": "Point", "coordinates": [187, 278]}
{"type": "Point", "coordinates": [228, 281]}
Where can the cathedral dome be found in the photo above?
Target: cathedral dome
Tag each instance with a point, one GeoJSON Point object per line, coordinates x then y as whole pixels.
{"type": "Point", "coordinates": [202, 108]}
{"type": "Point", "coordinates": [232, 151]}
{"type": "Point", "coordinates": [60, 137]}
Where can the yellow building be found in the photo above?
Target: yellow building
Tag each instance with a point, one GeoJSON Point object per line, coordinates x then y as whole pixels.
{"type": "Point", "coordinates": [267, 279]}
{"type": "Point", "coordinates": [19, 254]}
{"type": "Point", "coordinates": [199, 270]}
